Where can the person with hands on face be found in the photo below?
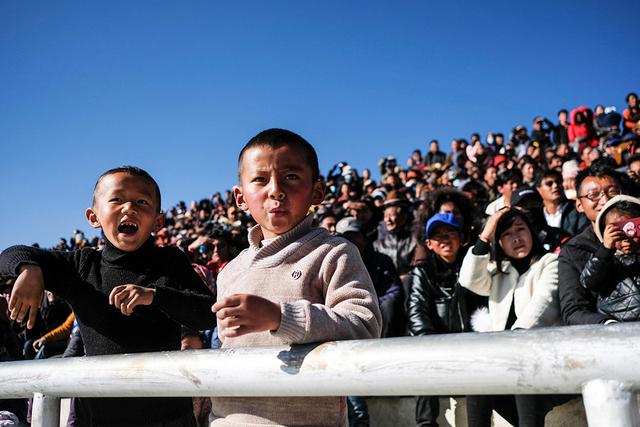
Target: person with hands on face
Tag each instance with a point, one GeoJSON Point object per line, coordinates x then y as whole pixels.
{"type": "Point", "coordinates": [130, 297]}
{"type": "Point", "coordinates": [294, 284]}
{"type": "Point", "coordinates": [613, 271]}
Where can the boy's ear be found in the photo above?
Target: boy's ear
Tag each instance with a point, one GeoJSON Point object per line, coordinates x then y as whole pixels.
{"type": "Point", "coordinates": [579, 206]}
{"type": "Point", "coordinates": [318, 192]}
{"type": "Point", "coordinates": [92, 218]}
{"type": "Point", "coordinates": [159, 222]}
{"type": "Point", "coordinates": [239, 197]}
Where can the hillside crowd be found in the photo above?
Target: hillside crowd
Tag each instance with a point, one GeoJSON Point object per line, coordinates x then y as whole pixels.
{"type": "Point", "coordinates": [503, 232]}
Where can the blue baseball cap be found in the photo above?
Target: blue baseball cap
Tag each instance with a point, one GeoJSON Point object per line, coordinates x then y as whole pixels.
{"type": "Point", "coordinates": [441, 218]}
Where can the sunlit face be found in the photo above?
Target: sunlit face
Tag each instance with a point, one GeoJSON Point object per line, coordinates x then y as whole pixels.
{"type": "Point", "coordinates": [562, 117]}
{"type": "Point", "coordinates": [516, 241]}
{"type": "Point", "coordinates": [634, 168]}
{"type": "Point", "coordinates": [508, 188]}
{"type": "Point", "coordinates": [551, 189]}
{"type": "Point", "coordinates": [277, 188]}
{"type": "Point", "coordinates": [445, 241]}
{"type": "Point", "coordinates": [126, 209]}
{"type": "Point", "coordinates": [395, 217]}
{"type": "Point", "coordinates": [528, 172]}
{"type": "Point", "coordinates": [490, 176]}
{"type": "Point", "coordinates": [604, 187]}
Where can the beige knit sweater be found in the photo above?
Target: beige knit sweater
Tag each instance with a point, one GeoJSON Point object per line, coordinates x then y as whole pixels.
{"type": "Point", "coordinates": [325, 293]}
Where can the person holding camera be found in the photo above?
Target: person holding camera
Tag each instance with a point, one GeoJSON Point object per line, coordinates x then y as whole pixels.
{"type": "Point", "coordinates": [613, 271]}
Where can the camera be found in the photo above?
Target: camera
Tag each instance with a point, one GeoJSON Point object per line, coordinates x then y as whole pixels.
{"type": "Point", "coordinates": [630, 226]}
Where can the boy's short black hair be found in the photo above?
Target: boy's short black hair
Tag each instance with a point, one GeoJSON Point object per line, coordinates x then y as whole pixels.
{"type": "Point", "coordinates": [133, 171]}
{"type": "Point", "coordinates": [276, 138]}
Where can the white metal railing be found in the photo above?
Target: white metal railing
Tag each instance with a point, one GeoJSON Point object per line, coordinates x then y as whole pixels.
{"type": "Point", "coordinates": [600, 362]}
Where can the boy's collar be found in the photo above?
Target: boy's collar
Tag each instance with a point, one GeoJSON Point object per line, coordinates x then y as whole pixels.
{"type": "Point", "coordinates": [256, 236]}
{"type": "Point", "coordinates": [113, 254]}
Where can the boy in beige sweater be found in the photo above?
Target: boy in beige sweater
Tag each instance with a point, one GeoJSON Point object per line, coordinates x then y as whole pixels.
{"type": "Point", "coordinates": [295, 283]}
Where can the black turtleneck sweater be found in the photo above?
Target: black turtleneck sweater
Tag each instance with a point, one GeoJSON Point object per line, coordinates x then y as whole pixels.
{"type": "Point", "coordinates": [84, 278]}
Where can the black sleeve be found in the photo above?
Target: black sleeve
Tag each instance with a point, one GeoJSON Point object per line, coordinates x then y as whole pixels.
{"type": "Point", "coordinates": [577, 304]}
{"type": "Point", "coordinates": [60, 269]}
{"type": "Point", "coordinates": [481, 247]}
{"type": "Point", "coordinates": [182, 295]}
{"type": "Point", "coordinates": [421, 318]}
{"type": "Point", "coordinates": [597, 273]}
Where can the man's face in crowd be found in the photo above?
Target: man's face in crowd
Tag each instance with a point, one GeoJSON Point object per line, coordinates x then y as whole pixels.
{"type": "Point", "coordinates": [634, 169]}
{"type": "Point", "coordinates": [528, 172]}
{"type": "Point", "coordinates": [434, 147]}
{"type": "Point", "coordinates": [551, 190]}
{"type": "Point", "coordinates": [562, 117]}
{"type": "Point", "coordinates": [508, 188]}
{"type": "Point", "coordinates": [329, 224]}
{"type": "Point", "coordinates": [490, 176]}
{"type": "Point", "coordinates": [594, 193]}
{"type": "Point", "coordinates": [395, 217]}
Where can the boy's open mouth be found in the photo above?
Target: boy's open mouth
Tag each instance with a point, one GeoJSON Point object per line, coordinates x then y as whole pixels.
{"type": "Point", "coordinates": [127, 228]}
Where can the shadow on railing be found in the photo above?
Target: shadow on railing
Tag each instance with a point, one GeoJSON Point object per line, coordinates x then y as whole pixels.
{"type": "Point", "coordinates": [601, 362]}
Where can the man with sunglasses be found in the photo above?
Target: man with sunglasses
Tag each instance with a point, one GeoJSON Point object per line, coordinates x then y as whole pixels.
{"type": "Point", "coordinates": [595, 186]}
{"type": "Point", "coordinates": [558, 211]}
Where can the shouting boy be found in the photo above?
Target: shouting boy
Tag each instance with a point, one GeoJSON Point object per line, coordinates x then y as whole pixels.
{"type": "Point", "coordinates": [295, 283]}
{"type": "Point", "coordinates": [130, 297]}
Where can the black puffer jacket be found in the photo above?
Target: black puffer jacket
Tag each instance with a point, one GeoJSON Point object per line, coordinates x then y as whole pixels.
{"type": "Point", "coordinates": [578, 304]}
{"type": "Point", "coordinates": [437, 302]}
{"type": "Point", "coordinates": [573, 222]}
{"type": "Point", "coordinates": [616, 279]}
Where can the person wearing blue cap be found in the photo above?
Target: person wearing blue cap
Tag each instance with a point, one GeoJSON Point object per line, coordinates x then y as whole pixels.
{"type": "Point", "coordinates": [437, 303]}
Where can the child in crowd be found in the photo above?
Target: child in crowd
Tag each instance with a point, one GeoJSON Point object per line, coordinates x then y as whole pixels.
{"type": "Point", "coordinates": [295, 283]}
{"type": "Point", "coordinates": [613, 271]}
{"type": "Point", "coordinates": [130, 297]}
{"type": "Point", "coordinates": [437, 302]}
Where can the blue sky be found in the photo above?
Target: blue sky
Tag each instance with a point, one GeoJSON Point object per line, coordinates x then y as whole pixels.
{"type": "Point", "coordinates": [178, 87]}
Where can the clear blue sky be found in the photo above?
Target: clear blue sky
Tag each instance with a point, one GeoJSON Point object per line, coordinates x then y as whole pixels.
{"type": "Point", "coordinates": [178, 87]}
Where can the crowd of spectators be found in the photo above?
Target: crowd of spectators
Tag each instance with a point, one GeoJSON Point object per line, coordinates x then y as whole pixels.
{"type": "Point", "coordinates": [557, 175]}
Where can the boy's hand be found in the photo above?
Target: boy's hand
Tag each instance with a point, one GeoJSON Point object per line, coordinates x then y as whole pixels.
{"type": "Point", "coordinates": [612, 234]}
{"type": "Point", "coordinates": [26, 295]}
{"type": "Point", "coordinates": [242, 314]}
{"type": "Point", "coordinates": [126, 297]}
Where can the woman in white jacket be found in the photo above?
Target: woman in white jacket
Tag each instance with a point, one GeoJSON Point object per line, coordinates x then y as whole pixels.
{"type": "Point", "coordinates": [509, 265]}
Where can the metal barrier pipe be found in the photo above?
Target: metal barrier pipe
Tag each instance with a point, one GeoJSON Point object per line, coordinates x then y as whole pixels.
{"type": "Point", "coordinates": [610, 403]}
{"type": "Point", "coordinates": [553, 360]}
{"type": "Point", "coordinates": [46, 411]}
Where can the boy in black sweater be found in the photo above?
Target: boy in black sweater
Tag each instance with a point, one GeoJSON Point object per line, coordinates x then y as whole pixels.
{"type": "Point", "coordinates": [131, 297]}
